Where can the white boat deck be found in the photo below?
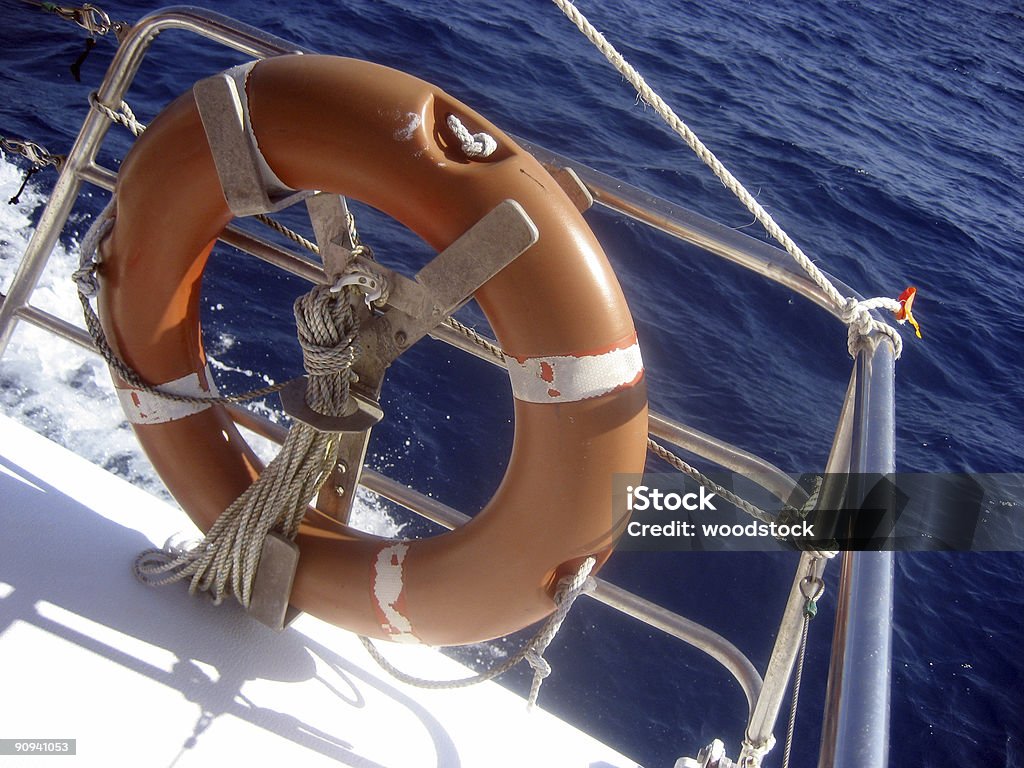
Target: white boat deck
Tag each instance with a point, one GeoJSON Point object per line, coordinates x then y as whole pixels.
{"type": "Point", "coordinates": [144, 677]}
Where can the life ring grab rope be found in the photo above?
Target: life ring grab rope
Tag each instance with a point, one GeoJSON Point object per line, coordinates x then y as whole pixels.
{"type": "Point", "coordinates": [611, 423]}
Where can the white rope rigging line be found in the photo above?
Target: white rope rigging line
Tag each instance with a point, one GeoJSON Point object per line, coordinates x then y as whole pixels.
{"type": "Point", "coordinates": [569, 588]}
{"type": "Point", "coordinates": [855, 314]}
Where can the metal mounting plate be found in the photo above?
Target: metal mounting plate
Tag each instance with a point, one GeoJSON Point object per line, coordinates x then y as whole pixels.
{"type": "Point", "coordinates": [362, 412]}
{"type": "Point", "coordinates": [272, 586]}
{"type": "Point", "coordinates": [225, 121]}
{"type": "Point", "coordinates": [329, 215]}
{"type": "Point", "coordinates": [415, 306]}
{"type": "Point", "coordinates": [443, 285]}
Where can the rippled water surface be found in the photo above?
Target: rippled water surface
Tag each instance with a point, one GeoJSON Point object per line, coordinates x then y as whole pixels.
{"type": "Point", "coordinates": [884, 136]}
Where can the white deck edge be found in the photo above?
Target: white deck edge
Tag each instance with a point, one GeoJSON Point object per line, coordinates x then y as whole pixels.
{"type": "Point", "coordinates": [139, 676]}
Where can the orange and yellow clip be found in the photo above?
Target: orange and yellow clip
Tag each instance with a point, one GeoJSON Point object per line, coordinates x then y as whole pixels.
{"type": "Point", "coordinates": [903, 314]}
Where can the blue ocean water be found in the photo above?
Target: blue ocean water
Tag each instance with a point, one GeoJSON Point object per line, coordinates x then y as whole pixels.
{"type": "Point", "coordinates": [885, 137]}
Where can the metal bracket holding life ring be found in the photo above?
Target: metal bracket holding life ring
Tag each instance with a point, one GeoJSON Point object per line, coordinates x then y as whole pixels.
{"type": "Point", "coordinates": [574, 365]}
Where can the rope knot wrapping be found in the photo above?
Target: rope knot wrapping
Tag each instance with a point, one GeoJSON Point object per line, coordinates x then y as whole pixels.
{"type": "Point", "coordinates": [856, 314]}
{"type": "Point", "coordinates": [123, 115]}
{"type": "Point", "coordinates": [568, 589]}
{"type": "Point", "coordinates": [857, 317]}
{"type": "Point", "coordinates": [541, 667]}
{"type": "Point", "coordinates": [328, 330]}
{"type": "Point", "coordinates": [88, 259]}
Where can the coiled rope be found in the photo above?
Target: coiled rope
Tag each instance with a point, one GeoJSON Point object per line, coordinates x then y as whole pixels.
{"type": "Point", "coordinates": [277, 500]}
{"type": "Point", "coordinates": [227, 559]}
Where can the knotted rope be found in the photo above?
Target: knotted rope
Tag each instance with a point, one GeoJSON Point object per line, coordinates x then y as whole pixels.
{"type": "Point", "coordinates": [123, 115]}
{"type": "Point", "coordinates": [227, 559]}
{"type": "Point", "coordinates": [569, 588]}
{"type": "Point", "coordinates": [473, 145]}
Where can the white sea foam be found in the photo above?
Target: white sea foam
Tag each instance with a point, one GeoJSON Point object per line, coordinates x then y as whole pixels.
{"type": "Point", "coordinates": [64, 391]}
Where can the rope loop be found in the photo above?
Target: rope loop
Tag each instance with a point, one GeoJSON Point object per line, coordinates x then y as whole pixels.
{"type": "Point", "coordinates": [541, 667]}
{"type": "Point", "coordinates": [327, 329]}
{"type": "Point", "coordinates": [754, 754]}
{"type": "Point", "coordinates": [325, 361]}
{"type": "Point", "coordinates": [85, 278]}
{"type": "Point", "coordinates": [569, 588]}
{"type": "Point", "coordinates": [857, 317]}
{"type": "Point", "coordinates": [88, 260]}
{"type": "Point", "coordinates": [812, 588]}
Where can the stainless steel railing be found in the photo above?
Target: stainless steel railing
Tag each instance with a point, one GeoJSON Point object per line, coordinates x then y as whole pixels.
{"type": "Point", "coordinates": [855, 731]}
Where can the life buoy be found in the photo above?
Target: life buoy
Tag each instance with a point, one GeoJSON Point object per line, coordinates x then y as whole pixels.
{"type": "Point", "coordinates": [380, 136]}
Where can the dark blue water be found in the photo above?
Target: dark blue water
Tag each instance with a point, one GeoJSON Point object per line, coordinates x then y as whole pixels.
{"type": "Point", "coordinates": [884, 137]}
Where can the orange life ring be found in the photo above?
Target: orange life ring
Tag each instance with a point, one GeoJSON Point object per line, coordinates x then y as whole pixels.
{"type": "Point", "coordinates": [379, 136]}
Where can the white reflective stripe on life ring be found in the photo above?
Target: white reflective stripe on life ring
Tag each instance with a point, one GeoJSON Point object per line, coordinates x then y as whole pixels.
{"type": "Point", "coordinates": [388, 589]}
{"type": "Point", "coordinates": [142, 407]}
{"type": "Point", "coordinates": [570, 378]}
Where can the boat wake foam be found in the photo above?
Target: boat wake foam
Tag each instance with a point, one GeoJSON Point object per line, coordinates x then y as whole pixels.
{"type": "Point", "coordinates": [64, 392]}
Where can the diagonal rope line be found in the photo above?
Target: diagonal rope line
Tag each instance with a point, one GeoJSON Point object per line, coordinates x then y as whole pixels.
{"type": "Point", "coordinates": [855, 314]}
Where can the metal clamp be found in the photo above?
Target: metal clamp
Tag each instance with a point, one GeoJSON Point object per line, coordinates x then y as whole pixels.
{"type": "Point", "coordinates": [243, 173]}
{"type": "Point", "coordinates": [372, 285]}
{"type": "Point", "coordinates": [360, 413]}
